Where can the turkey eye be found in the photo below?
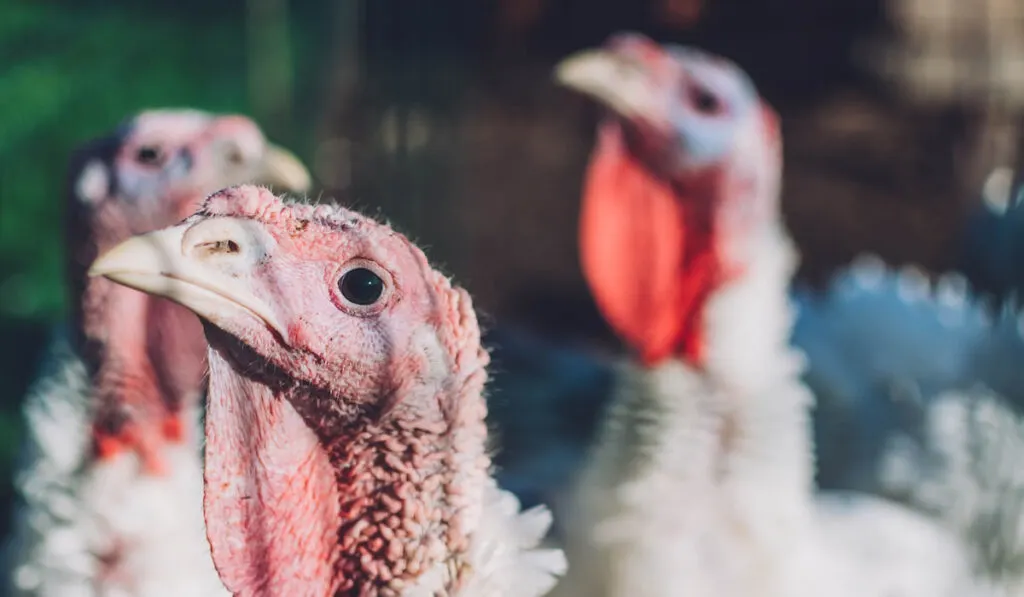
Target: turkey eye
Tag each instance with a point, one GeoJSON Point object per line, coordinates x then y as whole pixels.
{"type": "Point", "coordinates": [148, 155]}
{"type": "Point", "coordinates": [361, 286]}
{"type": "Point", "coordinates": [705, 101]}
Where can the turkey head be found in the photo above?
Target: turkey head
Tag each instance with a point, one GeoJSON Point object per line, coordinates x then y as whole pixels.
{"type": "Point", "coordinates": [148, 356]}
{"type": "Point", "coordinates": [684, 175]}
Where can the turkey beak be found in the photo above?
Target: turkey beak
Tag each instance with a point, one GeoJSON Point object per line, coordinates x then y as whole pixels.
{"type": "Point", "coordinates": [620, 81]}
{"type": "Point", "coordinates": [282, 170]}
{"type": "Point", "coordinates": [201, 266]}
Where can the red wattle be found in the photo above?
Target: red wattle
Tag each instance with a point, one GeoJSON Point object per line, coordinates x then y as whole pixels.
{"type": "Point", "coordinates": [647, 252]}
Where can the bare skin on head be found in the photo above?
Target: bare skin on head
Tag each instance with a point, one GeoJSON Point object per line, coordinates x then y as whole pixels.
{"type": "Point", "coordinates": [345, 428]}
{"type": "Point", "coordinates": [148, 356]}
{"type": "Point", "coordinates": [684, 177]}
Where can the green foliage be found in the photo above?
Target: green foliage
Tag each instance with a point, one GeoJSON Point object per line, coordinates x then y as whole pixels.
{"type": "Point", "coordinates": [71, 75]}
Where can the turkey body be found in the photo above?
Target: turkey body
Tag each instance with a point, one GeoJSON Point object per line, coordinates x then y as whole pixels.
{"type": "Point", "coordinates": [701, 479]}
{"type": "Point", "coordinates": [102, 531]}
{"type": "Point", "coordinates": [697, 485]}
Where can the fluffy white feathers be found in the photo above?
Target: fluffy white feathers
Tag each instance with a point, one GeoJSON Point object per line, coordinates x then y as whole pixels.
{"type": "Point", "coordinates": [85, 530]}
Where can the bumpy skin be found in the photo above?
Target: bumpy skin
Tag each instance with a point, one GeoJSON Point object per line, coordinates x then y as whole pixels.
{"type": "Point", "coordinates": [110, 476]}
{"type": "Point", "coordinates": [345, 446]}
{"type": "Point", "coordinates": [701, 479]}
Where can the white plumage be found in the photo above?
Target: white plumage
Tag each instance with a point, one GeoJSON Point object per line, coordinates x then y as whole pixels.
{"type": "Point", "coordinates": [664, 507]}
{"type": "Point", "coordinates": [75, 515]}
{"type": "Point", "coordinates": [932, 391]}
{"type": "Point", "coordinates": [965, 469]}
{"type": "Point", "coordinates": [506, 553]}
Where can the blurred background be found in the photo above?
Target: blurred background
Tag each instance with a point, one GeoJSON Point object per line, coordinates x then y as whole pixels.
{"type": "Point", "coordinates": [443, 116]}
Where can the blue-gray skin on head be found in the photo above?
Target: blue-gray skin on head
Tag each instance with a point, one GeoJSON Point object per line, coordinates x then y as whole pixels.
{"type": "Point", "coordinates": [728, 95]}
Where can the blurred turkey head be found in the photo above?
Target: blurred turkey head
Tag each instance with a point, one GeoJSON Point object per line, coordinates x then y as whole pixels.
{"type": "Point", "coordinates": [682, 185]}
{"type": "Point", "coordinates": [147, 355]}
{"type": "Point", "coordinates": [342, 369]}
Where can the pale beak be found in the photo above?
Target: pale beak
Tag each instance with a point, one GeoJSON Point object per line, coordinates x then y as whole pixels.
{"type": "Point", "coordinates": [282, 170]}
{"type": "Point", "coordinates": [621, 82]}
{"type": "Point", "coordinates": [194, 265]}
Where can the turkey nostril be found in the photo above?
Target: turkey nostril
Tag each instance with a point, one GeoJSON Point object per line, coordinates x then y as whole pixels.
{"type": "Point", "coordinates": [219, 247]}
{"type": "Point", "coordinates": [228, 242]}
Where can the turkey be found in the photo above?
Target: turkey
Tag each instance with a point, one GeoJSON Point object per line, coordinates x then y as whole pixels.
{"type": "Point", "coordinates": [110, 474]}
{"type": "Point", "coordinates": [881, 344]}
{"type": "Point", "coordinates": [700, 481]}
{"type": "Point", "coordinates": [345, 434]}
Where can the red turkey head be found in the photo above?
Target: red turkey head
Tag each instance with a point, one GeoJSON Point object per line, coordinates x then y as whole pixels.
{"type": "Point", "coordinates": [685, 172]}
{"type": "Point", "coordinates": [345, 425]}
{"type": "Point", "coordinates": [147, 355]}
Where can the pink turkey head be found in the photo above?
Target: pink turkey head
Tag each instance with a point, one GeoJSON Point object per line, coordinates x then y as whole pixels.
{"type": "Point", "coordinates": [158, 166]}
{"type": "Point", "coordinates": [343, 368]}
{"type": "Point", "coordinates": [146, 354]}
{"type": "Point", "coordinates": [686, 171]}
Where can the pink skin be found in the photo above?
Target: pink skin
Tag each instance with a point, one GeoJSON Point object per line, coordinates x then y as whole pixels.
{"type": "Point", "coordinates": [346, 457]}
{"type": "Point", "coordinates": [147, 355]}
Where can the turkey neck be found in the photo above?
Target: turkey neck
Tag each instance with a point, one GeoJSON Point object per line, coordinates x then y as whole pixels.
{"type": "Point", "coordinates": [146, 355]}
{"type": "Point", "coordinates": [752, 375]}
{"type": "Point", "coordinates": [307, 497]}
{"type": "Point", "coordinates": [132, 408]}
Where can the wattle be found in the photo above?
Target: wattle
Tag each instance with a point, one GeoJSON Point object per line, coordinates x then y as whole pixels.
{"type": "Point", "coordinates": [648, 252]}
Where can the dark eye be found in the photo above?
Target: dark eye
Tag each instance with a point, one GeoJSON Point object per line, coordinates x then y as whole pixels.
{"type": "Point", "coordinates": [149, 155]}
{"type": "Point", "coordinates": [704, 101]}
{"type": "Point", "coordinates": [361, 286]}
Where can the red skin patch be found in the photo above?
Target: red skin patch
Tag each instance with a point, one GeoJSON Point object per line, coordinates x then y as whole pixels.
{"type": "Point", "coordinates": [297, 334]}
{"type": "Point", "coordinates": [173, 429]}
{"type": "Point", "coordinates": [648, 252]}
{"type": "Point", "coordinates": [132, 437]}
{"type": "Point", "coordinates": [146, 438]}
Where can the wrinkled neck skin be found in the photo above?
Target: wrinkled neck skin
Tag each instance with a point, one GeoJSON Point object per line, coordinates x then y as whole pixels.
{"type": "Point", "coordinates": [147, 356]}
{"type": "Point", "coordinates": [136, 408]}
{"type": "Point", "coordinates": [177, 350]}
{"type": "Point", "coordinates": [303, 498]}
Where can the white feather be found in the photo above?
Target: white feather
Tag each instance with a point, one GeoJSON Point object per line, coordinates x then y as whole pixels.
{"type": "Point", "coordinates": [965, 470]}
{"type": "Point", "coordinates": [506, 557]}
{"type": "Point", "coordinates": [997, 190]}
{"type": "Point", "coordinates": [74, 510]}
{"type": "Point", "coordinates": [913, 284]}
{"type": "Point", "coordinates": [867, 271]}
{"type": "Point", "coordinates": [672, 502]}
